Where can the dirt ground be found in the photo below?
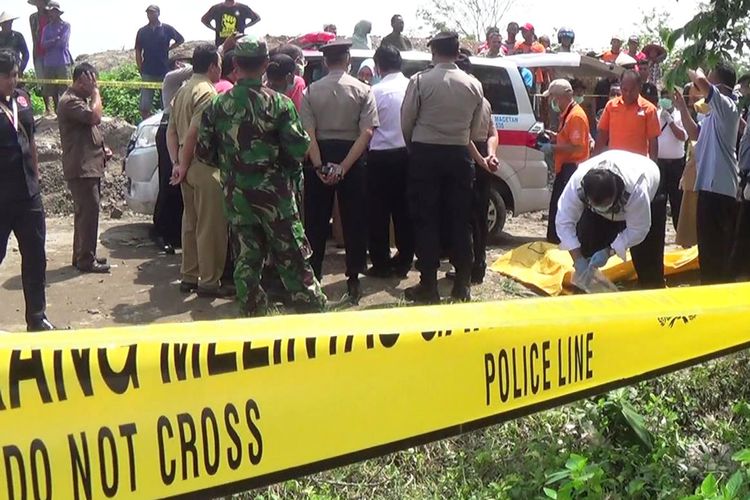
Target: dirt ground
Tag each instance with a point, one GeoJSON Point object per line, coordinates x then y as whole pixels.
{"type": "Point", "coordinates": [143, 285]}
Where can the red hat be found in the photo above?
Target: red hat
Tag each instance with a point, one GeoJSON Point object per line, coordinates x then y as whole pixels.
{"type": "Point", "coordinates": [528, 27]}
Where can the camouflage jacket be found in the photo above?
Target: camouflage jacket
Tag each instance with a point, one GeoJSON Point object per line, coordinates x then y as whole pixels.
{"type": "Point", "coordinates": [254, 136]}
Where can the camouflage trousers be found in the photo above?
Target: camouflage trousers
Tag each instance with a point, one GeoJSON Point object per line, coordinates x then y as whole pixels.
{"type": "Point", "coordinates": [281, 243]}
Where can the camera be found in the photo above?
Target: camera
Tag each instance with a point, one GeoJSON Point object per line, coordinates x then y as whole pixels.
{"type": "Point", "coordinates": [329, 169]}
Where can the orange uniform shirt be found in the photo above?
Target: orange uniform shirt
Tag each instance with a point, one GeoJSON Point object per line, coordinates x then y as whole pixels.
{"type": "Point", "coordinates": [535, 48]}
{"type": "Point", "coordinates": [630, 127]}
{"type": "Point", "coordinates": [574, 129]}
{"type": "Point", "coordinates": [610, 56]}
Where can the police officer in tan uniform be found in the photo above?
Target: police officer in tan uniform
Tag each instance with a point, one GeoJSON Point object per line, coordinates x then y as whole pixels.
{"type": "Point", "coordinates": [442, 110]}
{"type": "Point", "coordinates": [339, 113]}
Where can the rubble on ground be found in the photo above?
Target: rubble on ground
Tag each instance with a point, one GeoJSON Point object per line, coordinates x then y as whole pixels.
{"type": "Point", "coordinates": [57, 199]}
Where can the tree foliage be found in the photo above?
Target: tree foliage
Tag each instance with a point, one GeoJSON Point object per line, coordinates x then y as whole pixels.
{"type": "Point", "coordinates": [719, 31]}
{"type": "Point", "coordinates": [469, 18]}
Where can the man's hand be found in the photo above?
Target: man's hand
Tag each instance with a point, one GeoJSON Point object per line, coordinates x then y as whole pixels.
{"type": "Point", "coordinates": [88, 80]}
{"type": "Point", "coordinates": [666, 116]}
{"type": "Point", "coordinates": [492, 163]}
{"type": "Point", "coordinates": [581, 265]}
{"type": "Point", "coordinates": [600, 258]}
{"type": "Point", "coordinates": [108, 154]}
{"type": "Point", "coordinates": [679, 99]}
{"type": "Point", "coordinates": [179, 173]}
{"type": "Point", "coordinates": [231, 42]}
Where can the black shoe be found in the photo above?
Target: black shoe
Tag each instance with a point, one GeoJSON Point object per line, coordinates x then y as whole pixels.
{"type": "Point", "coordinates": [96, 268]}
{"type": "Point", "coordinates": [401, 270]}
{"type": "Point", "coordinates": [223, 292]}
{"type": "Point", "coordinates": [43, 325]}
{"type": "Point", "coordinates": [379, 272]}
{"type": "Point", "coordinates": [461, 293]}
{"type": "Point", "coordinates": [186, 287]}
{"type": "Point", "coordinates": [100, 260]}
{"type": "Point", "coordinates": [168, 249]}
{"type": "Point", "coordinates": [423, 294]}
{"type": "Point", "coordinates": [477, 276]}
{"type": "Point", "coordinates": [354, 291]}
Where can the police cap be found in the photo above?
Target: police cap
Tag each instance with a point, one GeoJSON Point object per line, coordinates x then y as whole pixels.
{"type": "Point", "coordinates": [336, 48]}
{"type": "Point", "coordinates": [443, 36]}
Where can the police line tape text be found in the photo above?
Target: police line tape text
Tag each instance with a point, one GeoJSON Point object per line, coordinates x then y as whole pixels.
{"type": "Point", "coordinates": [521, 371]}
{"type": "Point", "coordinates": [105, 462]}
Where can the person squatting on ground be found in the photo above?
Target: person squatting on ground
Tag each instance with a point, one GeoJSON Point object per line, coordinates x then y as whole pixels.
{"type": "Point", "coordinates": [84, 159]}
{"type": "Point", "coordinates": [339, 114]}
{"type": "Point", "coordinates": [253, 135]}
{"type": "Point", "coordinates": [21, 209]}
{"type": "Point", "coordinates": [611, 205]}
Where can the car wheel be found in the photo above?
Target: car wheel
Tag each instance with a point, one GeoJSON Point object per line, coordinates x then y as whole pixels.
{"type": "Point", "coordinates": [497, 215]}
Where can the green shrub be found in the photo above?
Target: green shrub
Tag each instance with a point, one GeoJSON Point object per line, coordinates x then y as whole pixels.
{"type": "Point", "coordinates": [124, 103]}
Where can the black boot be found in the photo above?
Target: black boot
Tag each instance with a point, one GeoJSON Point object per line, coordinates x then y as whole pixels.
{"type": "Point", "coordinates": [461, 290]}
{"type": "Point", "coordinates": [477, 275]}
{"type": "Point", "coordinates": [426, 293]}
{"type": "Point", "coordinates": [355, 292]}
{"type": "Point", "coordinates": [42, 325]}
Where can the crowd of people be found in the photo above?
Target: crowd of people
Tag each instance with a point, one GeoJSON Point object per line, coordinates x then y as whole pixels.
{"type": "Point", "coordinates": [252, 161]}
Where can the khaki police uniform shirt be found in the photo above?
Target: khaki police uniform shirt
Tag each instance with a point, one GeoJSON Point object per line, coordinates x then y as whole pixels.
{"type": "Point", "coordinates": [483, 133]}
{"type": "Point", "coordinates": [443, 105]}
{"type": "Point", "coordinates": [189, 104]}
{"type": "Point", "coordinates": [339, 107]}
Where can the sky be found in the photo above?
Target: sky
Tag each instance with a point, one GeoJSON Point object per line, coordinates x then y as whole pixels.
{"type": "Point", "coordinates": [99, 25]}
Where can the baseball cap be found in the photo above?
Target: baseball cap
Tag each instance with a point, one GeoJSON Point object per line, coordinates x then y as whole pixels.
{"type": "Point", "coordinates": [153, 8]}
{"type": "Point", "coordinates": [558, 87]}
{"type": "Point", "coordinates": [251, 46]}
{"type": "Point", "coordinates": [527, 27]}
{"type": "Point", "coordinates": [634, 38]}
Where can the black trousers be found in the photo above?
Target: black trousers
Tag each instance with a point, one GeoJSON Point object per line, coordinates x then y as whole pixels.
{"type": "Point", "coordinates": [441, 177]}
{"type": "Point", "coordinates": [740, 259]}
{"type": "Point", "coordinates": [717, 224]}
{"type": "Point", "coordinates": [26, 220]}
{"type": "Point", "coordinates": [168, 210]}
{"type": "Point", "coordinates": [352, 192]}
{"type": "Point", "coordinates": [561, 180]}
{"type": "Point", "coordinates": [671, 173]}
{"type": "Point", "coordinates": [595, 233]}
{"type": "Point", "coordinates": [481, 206]}
{"type": "Point", "coordinates": [386, 188]}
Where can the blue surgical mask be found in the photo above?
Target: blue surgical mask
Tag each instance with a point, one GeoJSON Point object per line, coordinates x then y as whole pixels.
{"type": "Point", "coordinates": [554, 106]}
{"type": "Point", "coordinates": [578, 99]}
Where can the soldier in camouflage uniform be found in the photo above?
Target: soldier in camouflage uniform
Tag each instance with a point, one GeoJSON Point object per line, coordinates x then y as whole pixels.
{"type": "Point", "coordinates": [253, 135]}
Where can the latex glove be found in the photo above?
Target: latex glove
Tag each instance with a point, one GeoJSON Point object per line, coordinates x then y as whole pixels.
{"type": "Point", "coordinates": [581, 265]}
{"type": "Point", "coordinates": [546, 148]}
{"type": "Point", "coordinates": [666, 116]}
{"type": "Point", "coordinates": [600, 258]}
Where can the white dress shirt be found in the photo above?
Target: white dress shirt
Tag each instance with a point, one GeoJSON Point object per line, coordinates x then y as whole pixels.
{"type": "Point", "coordinates": [641, 178]}
{"type": "Point", "coordinates": [670, 147]}
{"type": "Point", "coordinates": [389, 95]}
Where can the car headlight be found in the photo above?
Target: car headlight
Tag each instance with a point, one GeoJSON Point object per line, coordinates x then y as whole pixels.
{"type": "Point", "coordinates": [146, 136]}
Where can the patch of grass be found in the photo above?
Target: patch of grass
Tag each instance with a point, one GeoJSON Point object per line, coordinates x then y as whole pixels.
{"type": "Point", "coordinates": [695, 421]}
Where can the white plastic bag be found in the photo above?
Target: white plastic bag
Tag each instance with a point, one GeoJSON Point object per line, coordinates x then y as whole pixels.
{"type": "Point", "coordinates": [592, 280]}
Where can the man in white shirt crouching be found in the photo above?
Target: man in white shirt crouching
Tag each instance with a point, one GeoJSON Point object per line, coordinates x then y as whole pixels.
{"type": "Point", "coordinates": [611, 205]}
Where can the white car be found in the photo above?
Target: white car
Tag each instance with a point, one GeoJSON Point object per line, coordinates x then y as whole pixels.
{"type": "Point", "coordinates": [141, 167]}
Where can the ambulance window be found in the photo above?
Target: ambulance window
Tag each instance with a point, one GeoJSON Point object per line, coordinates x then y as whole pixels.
{"type": "Point", "coordinates": [498, 89]}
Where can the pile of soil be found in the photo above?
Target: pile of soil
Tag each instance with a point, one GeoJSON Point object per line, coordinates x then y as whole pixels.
{"type": "Point", "coordinates": [57, 200]}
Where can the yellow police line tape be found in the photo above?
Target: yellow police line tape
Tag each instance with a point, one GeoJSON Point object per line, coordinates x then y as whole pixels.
{"type": "Point", "coordinates": [208, 409]}
{"type": "Point", "coordinates": [102, 83]}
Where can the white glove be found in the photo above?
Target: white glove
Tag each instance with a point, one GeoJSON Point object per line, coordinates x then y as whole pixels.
{"type": "Point", "coordinates": [666, 116]}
